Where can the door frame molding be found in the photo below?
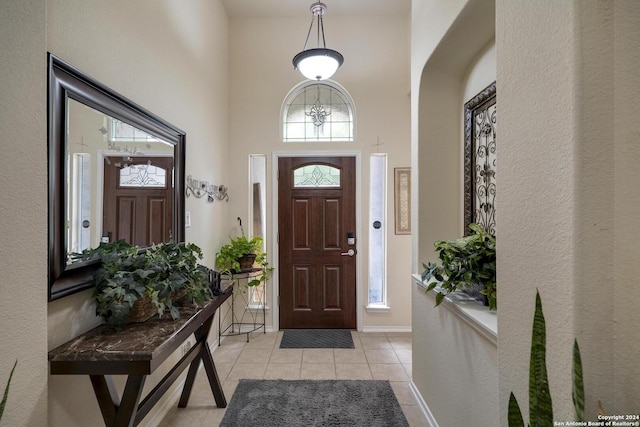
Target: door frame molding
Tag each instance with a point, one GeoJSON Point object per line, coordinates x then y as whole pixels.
{"type": "Point", "coordinates": [275, 156]}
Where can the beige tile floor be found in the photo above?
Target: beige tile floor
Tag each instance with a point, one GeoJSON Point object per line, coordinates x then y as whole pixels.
{"type": "Point", "coordinates": [378, 356]}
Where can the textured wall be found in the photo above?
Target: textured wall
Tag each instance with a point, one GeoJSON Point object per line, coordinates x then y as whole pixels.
{"type": "Point", "coordinates": [172, 61]}
{"type": "Point", "coordinates": [536, 47]}
{"type": "Point", "coordinates": [567, 86]}
{"type": "Point", "coordinates": [626, 315]}
{"type": "Point", "coordinates": [23, 210]}
{"type": "Point", "coordinates": [452, 362]}
{"type": "Point", "coordinates": [568, 199]}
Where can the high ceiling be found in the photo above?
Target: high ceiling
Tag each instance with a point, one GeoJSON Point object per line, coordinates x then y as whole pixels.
{"type": "Point", "coordinates": [236, 8]}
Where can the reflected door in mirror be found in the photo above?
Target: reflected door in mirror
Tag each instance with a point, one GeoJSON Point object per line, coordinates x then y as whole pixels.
{"type": "Point", "coordinates": [138, 199]}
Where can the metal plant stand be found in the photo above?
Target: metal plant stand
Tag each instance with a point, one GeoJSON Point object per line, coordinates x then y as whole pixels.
{"type": "Point", "coordinates": [247, 312]}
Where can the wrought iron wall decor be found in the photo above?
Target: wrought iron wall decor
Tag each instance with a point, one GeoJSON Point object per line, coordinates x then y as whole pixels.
{"type": "Point", "coordinates": [201, 189]}
{"type": "Point", "coordinates": [480, 160]}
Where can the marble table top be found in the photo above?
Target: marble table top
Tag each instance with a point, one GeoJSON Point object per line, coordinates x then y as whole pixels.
{"type": "Point", "coordinates": [136, 341]}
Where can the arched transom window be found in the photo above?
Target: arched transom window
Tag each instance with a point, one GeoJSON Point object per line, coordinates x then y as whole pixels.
{"type": "Point", "coordinates": [318, 112]}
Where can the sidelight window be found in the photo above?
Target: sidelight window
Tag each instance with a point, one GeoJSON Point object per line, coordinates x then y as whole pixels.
{"type": "Point", "coordinates": [377, 232]}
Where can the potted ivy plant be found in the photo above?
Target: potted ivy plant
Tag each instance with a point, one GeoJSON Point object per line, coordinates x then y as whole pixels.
{"type": "Point", "coordinates": [242, 254]}
{"type": "Point", "coordinates": [133, 284]}
{"type": "Point", "coordinates": [467, 264]}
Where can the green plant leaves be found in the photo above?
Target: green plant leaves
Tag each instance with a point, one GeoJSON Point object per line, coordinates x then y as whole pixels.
{"type": "Point", "coordinates": [540, 405]}
{"type": "Point", "coordinates": [127, 273]}
{"type": "Point", "coordinates": [578, 384]}
{"type": "Point", "coordinates": [464, 262]}
{"type": "Point", "coordinates": [6, 390]}
{"type": "Point", "coordinates": [514, 415]}
{"type": "Point", "coordinates": [229, 254]}
{"type": "Point", "coordinates": [540, 408]}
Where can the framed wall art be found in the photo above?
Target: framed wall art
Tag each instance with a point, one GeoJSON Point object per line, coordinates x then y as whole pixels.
{"type": "Point", "coordinates": [402, 200]}
{"type": "Point", "coordinates": [480, 160]}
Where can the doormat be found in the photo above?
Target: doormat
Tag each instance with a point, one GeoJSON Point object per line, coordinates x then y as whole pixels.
{"type": "Point", "coordinates": [317, 338]}
{"type": "Point", "coordinates": [277, 403]}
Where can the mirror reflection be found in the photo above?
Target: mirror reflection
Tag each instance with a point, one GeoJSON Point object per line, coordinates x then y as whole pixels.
{"type": "Point", "coordinates": [258, 190]}
{"type": "Point", "coordinates": [120, 182]}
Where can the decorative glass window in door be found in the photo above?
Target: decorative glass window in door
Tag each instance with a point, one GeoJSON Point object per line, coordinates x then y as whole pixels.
{"type": "Point", "coordinates": [318, 112]}
{"type": "Point", "coordinates": [145, 175]}
{"type": "Point", "coordinates": [316, 175]}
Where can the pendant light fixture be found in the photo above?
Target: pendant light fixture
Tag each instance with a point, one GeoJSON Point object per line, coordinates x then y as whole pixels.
{"type": "Point", "coordinates": [318, 63]}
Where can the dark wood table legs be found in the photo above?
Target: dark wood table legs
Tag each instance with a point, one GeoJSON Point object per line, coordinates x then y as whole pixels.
{"type": "Point", "coordinates": [136, 351]}
{"type": "Point", "coordinates": [204, 354]}
{"type": "Point", "coordinates": [129, 411]}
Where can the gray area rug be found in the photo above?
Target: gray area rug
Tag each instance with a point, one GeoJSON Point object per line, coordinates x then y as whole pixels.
{"type": "Point", "coordinates": [317, 338]}
{"type": "Point", "coordinates": [302, 403]}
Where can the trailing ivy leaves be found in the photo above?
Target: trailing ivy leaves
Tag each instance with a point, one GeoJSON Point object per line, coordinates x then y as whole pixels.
{"type": "Point", "coordinates": [227, 259]}
{"type": "Point", "coordinates": [467, 261]}
{"type": "Point", "coordinates": [159, 272]}
{"type": "Point", "coordinates": [6, 390]}
{"type": "Point", "coordinates": [540, 405]}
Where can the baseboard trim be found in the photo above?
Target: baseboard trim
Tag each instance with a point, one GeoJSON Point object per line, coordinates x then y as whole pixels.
{"type": "Point", "coordinates": [386, 329]}
{"type": "Point", "coordinates": [424, 408]}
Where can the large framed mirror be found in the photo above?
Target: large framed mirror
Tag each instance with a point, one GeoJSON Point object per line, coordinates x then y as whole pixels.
{"type": "Point", "coordinates": [116, 171]}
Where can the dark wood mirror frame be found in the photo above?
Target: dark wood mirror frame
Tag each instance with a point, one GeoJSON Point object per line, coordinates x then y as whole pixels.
{"type": "Point", "coordinates": [66, 82]}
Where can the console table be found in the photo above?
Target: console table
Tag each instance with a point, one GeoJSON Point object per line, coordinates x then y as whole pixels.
{"type": "Point", "coordinates": [136, 351]}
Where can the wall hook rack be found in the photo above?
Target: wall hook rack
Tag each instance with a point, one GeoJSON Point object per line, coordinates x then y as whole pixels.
{"type": "Point", "coordinates": [200, 189]}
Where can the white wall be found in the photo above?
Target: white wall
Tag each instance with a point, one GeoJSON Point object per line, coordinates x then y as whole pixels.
{"type": "Point", "coordinates": [576, 230]}
{"type": "Point", "coordinates": [452, 362]}
{"type": "Point", "coordinates": [172, 61]}
{"type": "Point", "coordinates": [23, 211]}
{"type": "Point", "coordinates": [454, 367]}
{"type": "Point", "coordinates": [376, 75]}
{"type": "Point", "coordinates": [627, 209]}
{"type": "Point", "coordinates": [568, 197]}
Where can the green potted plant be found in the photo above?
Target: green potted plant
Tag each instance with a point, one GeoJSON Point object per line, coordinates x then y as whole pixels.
{"type": "Point", "coordinates": [132, 284]}
{"type": "Point", "coordinates": [242, 254]}
{"type": "Point", "coordinates": [540, 405]}
{"type": "Point", "coordinates": [5, 396]}
{"type": "Point", "coordinates": [467, 263]}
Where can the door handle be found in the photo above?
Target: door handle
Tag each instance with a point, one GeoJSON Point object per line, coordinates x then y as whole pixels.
{"type": "Point", "coordinates": [350, 252]}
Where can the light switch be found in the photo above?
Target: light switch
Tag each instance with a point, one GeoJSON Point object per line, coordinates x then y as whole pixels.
{"type": "Point", "coordinates": [187, 219]}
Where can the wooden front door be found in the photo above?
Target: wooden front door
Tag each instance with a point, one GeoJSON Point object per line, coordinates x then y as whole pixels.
{"type": "Point", "coordinates": [138, 199]}
{"type": "Point", "coordinates": [316, 214]}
